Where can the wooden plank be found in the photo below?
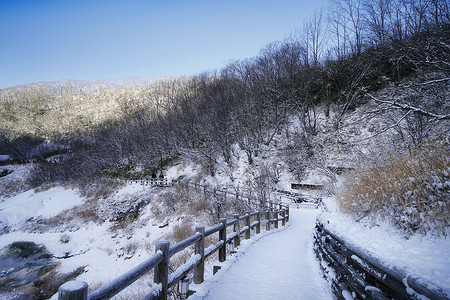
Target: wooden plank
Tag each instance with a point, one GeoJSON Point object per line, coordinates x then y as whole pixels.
{"type": "Point", "coordinates": [213, 248]}
{"type": "Point", "coordinates": [231, 237]}
{"type": "Point", "coordinates": [306, 186]}
{"type": "Point", "coordinates": [214, 229]}
{"type": "Point", "coordinates": [155, 293]}
{"type": "Point", "coordinates": [183, 270]}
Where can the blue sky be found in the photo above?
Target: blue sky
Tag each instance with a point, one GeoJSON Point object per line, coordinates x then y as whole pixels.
{"type": "Point", "coordinates": [45, 40]}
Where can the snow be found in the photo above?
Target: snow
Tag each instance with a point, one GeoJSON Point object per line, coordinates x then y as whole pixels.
{"type": "Point", "coordinates": [426, 256]}
{"type": "Point", "coordinates": [289, 271]}
{"type": "Point", "coordinates": [74, 285]}
{"type": "Point", "coordinates": [4, 157]}
{"type": "Point", "coordinates": [16, 210]}
{"type": "Point", "coordinates": [281, 265]}
{"type": "Point", "coordinates": [96, 246]}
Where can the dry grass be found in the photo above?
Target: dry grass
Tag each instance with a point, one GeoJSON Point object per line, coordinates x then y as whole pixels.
{"type": "Point", "coordinates": [101, 189]}
{"type": "Point", "coordinates": [46, 187]}
{"type": "Point", "coordinates": [131, 247]}
{"type": "Point", "coordinates": [411, 191]}
{"type": "Point", "coordinates": [181, 231]}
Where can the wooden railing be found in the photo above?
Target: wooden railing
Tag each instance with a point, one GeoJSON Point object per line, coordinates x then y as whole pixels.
{"type": "Point", "coordinates": [242, 195]}
{"type": "Point", "coordinates": [242, 227]}
{"type": "Point", "coordinates": [150, 181]}
{"type": "Point", "coordinates": [363, 275]}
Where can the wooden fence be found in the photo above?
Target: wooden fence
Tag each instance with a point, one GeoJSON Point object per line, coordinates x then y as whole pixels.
{"type": "Point", "coordinates": [160, 261]}
{"type": "Point", "coordinates": [241, 195]}
{"type": "Point", "coordinates": [364, 275]}
{"type": "Point", "coordinates": [151, 181]}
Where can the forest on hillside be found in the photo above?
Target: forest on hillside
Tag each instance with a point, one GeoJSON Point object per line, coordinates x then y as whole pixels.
{"type": "Point", "coordinates": [335, 63]}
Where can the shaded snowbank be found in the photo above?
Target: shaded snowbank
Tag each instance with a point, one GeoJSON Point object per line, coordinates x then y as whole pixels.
{"type": "Point", "coordinates": [425, 256]}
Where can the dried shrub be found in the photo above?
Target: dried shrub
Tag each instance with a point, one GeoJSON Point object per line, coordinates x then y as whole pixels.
{"type": "Point", "coordinates": [181, 231]}
{"type": "Point", "coordinates": [88, 211]}
{"type": "Point", "coordinates": [45, 187]}
{"type": "Point", "coordinates": [196, 205]}
{"type": "Point", "coordinates": [102, 188]}
{"type": "Point", "coordinates": [131, 247]}
{"type": "Point", "coordinates": [411, 191]}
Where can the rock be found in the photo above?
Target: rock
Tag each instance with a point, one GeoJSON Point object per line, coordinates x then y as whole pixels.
{"type": "Point", "coordinates": [164, 224]}
{"type": "Point", "coordinates": [65, 238]}
{"type": "Point", "coordinates": [22, 263]}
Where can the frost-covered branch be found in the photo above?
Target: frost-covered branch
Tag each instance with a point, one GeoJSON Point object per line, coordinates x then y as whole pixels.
{"type": "Point", "coordinates": [411, 108]}
{"type": "Point", "coordinates": [386, 129]}
{"type": "Point", "coordinates": [436, 81]}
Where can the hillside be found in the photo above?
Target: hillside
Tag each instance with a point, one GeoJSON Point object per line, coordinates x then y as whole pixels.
{"type": "Point", "coordinates": [258, 125]}
{"type": "Point", "coordinates": [121, 222]}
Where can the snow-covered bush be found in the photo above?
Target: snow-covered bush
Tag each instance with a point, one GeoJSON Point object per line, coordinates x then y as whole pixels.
{"type": "Point", "coordinates": [410, 191]}
{"type": "Point", "coordinates": [181, 231]}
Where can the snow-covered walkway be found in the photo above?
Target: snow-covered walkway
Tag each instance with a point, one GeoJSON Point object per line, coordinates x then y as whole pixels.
{"type": "Point", "coordinates": [279, 266]}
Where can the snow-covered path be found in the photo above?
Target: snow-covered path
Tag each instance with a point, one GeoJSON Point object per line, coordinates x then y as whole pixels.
{"type": "Point", "coordinates": [279, 266]}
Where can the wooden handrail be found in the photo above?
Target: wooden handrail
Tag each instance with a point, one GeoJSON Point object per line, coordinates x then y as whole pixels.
{"type": "Point", "coordinates": [184, 244]}
{"type": "Point", "coordinates": [159, 262]}
{"type": "Point", "coordinates": [363, 273]}
{"type": "Point", "coordinates": [121, 282]}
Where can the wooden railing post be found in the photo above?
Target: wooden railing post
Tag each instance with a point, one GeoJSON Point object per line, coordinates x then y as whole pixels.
{"type": "Point", "coordinates": [247, 223]}
{"type": "Point", "coordinates": [73, 290]}
{"type": "Point", "coordinates": [161, 274]}
{"type": "Point", "coordinates": [258, 226]}
{"type": "Point", "coordinates": [199, 270]}
{"type": "Point", "coordinates": [287, 213]}
{"type": "Point", "coordinates": [268, 220]}
{"type": "Point", "coordinates": [283, 215]}
{"type": "Point", "coordinates": [223, 237]}
{"type": "Point", "coordinates": [276, 218]}
{"type": "Point", "coordinates": [237, 229]}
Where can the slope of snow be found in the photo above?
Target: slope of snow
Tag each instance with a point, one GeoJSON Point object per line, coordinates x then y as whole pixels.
{"type": "Point", "coordinates": [289, 271]}
{"type": "Point", "coordinates": [424, 256]}
{"type": "Point", "coordinates": [105, 253]}
{"type": "Point", "coordinates": [17, 210]}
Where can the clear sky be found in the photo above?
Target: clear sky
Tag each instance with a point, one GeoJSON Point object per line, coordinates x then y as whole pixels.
{"type": "Point", "coordinates": [50, 40]}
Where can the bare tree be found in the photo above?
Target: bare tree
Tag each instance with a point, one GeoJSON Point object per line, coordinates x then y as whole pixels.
{"type": "Point", "coordinates": [348, 24]}
{"type": "Point", "coordinates": [377, 20]}
{"type": "Point", "coordinates": [314, 34]}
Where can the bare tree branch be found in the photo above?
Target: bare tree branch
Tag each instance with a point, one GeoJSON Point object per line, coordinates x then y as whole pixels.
{"type": "Point", "coordinates": [384, 130]}
{"type": "Point", "coordinates": [436, 81]}
{"type": "Point", "coordinates": [411, 108]}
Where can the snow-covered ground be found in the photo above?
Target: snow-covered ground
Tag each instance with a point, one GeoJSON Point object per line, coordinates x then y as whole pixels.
{"type": "Point", "coordinates": [15, 211]}
{"type": "Point", "coordinates": [427, 256]}
{"type": "Point", "coordinates": [108, 253]}
{"type": "Point", "coordinates": [278, 266]}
